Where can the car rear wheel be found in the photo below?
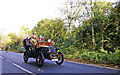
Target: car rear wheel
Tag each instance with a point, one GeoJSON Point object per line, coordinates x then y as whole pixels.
{"type": "Point", "coordinates": [60, 58]}
{"type": "Point", "coordinates": [25, 57]}
{"type": "Point", "coordinates": [39, 60]}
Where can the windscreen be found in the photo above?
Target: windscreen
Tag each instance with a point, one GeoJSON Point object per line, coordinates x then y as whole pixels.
{"type": "Point", "coordinates": [52, 49]}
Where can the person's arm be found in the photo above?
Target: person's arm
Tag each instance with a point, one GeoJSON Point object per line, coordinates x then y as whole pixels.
{"type": "Point", "coordinates": [53, 42]}
{"type": "Point", "coordinates": [30, 40]}
{"type": "Point", "coordinates": [36, 39]}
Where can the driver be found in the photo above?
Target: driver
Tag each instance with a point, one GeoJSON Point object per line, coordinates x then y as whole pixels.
{"type": "Point", "coordinates": [33, 40]}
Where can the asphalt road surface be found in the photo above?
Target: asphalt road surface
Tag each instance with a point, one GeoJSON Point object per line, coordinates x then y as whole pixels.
{"type": "Point", "coordinates": [11, 62]}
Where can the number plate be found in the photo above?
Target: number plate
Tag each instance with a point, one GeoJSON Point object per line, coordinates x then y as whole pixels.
{"type": "Point", "coordinates": [54, 59]}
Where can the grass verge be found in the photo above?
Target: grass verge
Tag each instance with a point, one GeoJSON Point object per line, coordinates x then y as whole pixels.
{"type": "Point", "coordinates": [92, 63]}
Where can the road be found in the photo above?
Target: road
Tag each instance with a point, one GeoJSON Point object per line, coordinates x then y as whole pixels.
{"type": "Point", "coordinates": [11, 62]}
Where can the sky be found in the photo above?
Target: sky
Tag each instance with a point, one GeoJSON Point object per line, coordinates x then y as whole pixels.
{"type": "Point", "coordinates": [17, 13]}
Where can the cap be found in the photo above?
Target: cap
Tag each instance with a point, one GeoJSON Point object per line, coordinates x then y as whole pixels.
{"type": "Point", "coordinates": [34, 33]}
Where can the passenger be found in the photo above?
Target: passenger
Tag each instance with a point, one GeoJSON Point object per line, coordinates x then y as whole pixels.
{"type": "Point", "coordinates": [41, 38]}
{"type": "Point", "coordinates": [26, 42]}
{"type": "Point", "coordinates": [50, 41]}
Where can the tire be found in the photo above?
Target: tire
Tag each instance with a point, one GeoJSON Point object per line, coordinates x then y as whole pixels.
{"type": "Point", "coordinates": [25, 57]}
{"type": "Point", "coordinates": [39, 60]}
{"type": "Point", "coordinates": [60, 58]}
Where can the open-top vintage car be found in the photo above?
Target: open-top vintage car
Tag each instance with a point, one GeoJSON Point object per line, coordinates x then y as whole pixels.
{"type": "Point", "coordinates": [43, 51]}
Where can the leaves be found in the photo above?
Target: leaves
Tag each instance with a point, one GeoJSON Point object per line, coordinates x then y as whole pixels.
{"type": "Point", "coordinates": [96, 38]}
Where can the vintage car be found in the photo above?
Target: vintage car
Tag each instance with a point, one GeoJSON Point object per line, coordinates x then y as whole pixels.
{"type": "Point", "coordinates": [43, 51]}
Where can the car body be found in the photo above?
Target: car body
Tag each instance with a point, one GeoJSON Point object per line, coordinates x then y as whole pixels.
{"type": "Point", "coordinates": [43, 51]}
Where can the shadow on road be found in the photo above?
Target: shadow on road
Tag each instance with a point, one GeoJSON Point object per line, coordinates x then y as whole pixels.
{"type": "Point", "coordinates": [47, 64]}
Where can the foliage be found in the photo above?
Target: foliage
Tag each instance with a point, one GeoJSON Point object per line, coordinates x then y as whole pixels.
{"type": "Point", "coordinates": [106, 23]}
{"type": "Point", "coordinates": [16, 41]}
{"type": "Point", "coordinates": [96, 38]}
{"type": "Point", "coordinates": [51, 28]}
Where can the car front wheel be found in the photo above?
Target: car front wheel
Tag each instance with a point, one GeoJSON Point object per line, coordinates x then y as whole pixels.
{"type": "Point", "coordinates": [60, 58]}
{"type": "Point", "coordinates": [39, 60]}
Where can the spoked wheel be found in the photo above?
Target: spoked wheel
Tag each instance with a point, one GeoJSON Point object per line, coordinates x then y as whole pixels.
{"type": "Point", "coordinates": [25, 57]}
{"type": "Point", "coordinates": [39, 60]}
{"type": "Point", "coordinates": [60, 58]}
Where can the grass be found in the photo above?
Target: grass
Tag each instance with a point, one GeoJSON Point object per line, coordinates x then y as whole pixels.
{"type": "Point", "coordinates": [17, 51]}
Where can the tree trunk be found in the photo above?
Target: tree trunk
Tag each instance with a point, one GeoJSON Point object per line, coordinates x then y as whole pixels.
{"type": "Point", "coordinates": [102, 38]}
{"type": "Point", "coordinates": [82, 42]}
{"type": "Point", "coordinates": [93, 36]}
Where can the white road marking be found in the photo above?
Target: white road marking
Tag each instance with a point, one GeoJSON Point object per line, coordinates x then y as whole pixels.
{"type": "Point", "coordinates": [1, 57]}
{"type": "Point", "coordinates": [23, 69]}
{"type": "Point", "coordinates": [19, 67]}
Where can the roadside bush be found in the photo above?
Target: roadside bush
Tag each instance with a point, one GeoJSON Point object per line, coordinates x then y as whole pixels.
{"type": "Point", "coordinates": [22, 50]}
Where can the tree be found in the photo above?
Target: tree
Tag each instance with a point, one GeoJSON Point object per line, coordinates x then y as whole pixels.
{"type": "Point", "coordinates": [51, 28]}
{"type": "Point", "coordinates": [72, 12]}
{"type": "Point", "coordinates": [25, 30]}
{"type": "Point", "coordinates": [16, 41]}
